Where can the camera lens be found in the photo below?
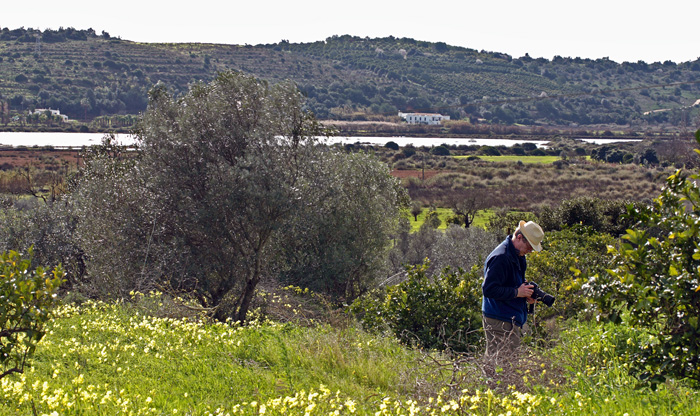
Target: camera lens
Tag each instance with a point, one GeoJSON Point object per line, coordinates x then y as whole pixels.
{"type": "Point", "coordinates": [548, 299]}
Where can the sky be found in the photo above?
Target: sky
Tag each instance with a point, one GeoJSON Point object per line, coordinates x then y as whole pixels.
{"type": "Point", "coordinates": [621, 30]}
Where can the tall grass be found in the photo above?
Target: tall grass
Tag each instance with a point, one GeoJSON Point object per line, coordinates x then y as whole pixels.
{"type": "Point", "coordinates": [109, 359]}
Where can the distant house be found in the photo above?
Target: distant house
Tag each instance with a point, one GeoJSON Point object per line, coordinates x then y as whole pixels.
{"type": "Point", "coordinates": [55, 113]}
{"type": "Point", "coordinates": [423, 118]}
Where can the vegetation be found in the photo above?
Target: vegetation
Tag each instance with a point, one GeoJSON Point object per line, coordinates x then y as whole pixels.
{"type": "Point", "coordinates": [27, 295]}
{"type": "Point", "coordinates": [428, 312]}
{"type": "Point", "coordinates": [230, 196]}
{"type": "Point", "coordinates": [104, 359]}
{"type": "Point", "coordinates": [654, 287]}
{"type": "Point", "coordinates": [103, 82]}
{"type": "Point", "coordinates": [506, 158]}
{"type": "Point", "coordinates": [229, 187]}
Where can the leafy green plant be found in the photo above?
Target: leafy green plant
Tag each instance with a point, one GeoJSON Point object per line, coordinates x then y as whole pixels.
{"type": "Point", "coordinates": [560, 268]}
{"type": "Point", "coordinates": [602, 215]}
{"type": "Point", "coordinates": [26, 298]}
{"type": "Point", "coordinates": [441, 312]}
{"type": "Point", "coordinates": [655, 283]}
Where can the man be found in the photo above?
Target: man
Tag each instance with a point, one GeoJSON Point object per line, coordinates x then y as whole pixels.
{"type": "Point", "coordinates": [505, 293]}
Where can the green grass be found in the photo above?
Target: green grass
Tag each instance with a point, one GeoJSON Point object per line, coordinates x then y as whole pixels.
{"type": "Point", "coordinates": [515, 158]}
{"type": "Point", "coordinates": [445, 214]}
{"type": "Point", "coordinates": [109, 359]}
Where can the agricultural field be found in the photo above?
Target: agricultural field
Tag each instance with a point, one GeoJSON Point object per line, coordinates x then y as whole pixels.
{"type": "Point", "coordinates": [515, 158]}
{"type": "Point", "coordinates": [445, 214]}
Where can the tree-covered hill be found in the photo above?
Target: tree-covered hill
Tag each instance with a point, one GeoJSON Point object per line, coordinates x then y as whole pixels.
{"type": "Point", "coordinates": [85, 75]}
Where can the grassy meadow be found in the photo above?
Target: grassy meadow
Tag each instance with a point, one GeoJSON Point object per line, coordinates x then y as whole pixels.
{"type": "Point", "coordinates": [134, 359]}
{"type": "Point", "coordinates": [515, 158]}
{"type": "Point", "coordinates": [482, 217]}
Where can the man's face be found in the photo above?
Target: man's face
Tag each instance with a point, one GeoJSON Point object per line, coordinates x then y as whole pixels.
{"type": "Point", "coordinates": [522, 245]}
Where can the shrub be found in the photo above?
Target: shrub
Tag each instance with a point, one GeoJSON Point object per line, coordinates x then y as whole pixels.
{"type": "Point", "coordinates": [440, 151]}
{"type": "Point", "coordinates": [655, 283]}
{"type": "Point", "coordinates": [440, 312]}
{"type": "Point", "coordinates": [559, 269]}
{"type": "Point", "coordinates": [504, 221]}
{"type": "Point", "coordinates": [600, 214]}
{"type": "Point", "coordinates": [432, 219]}
{"type": "Point", "coordinates": [27, 298]}
{"type": "Point", "coordinates": [392, 145]}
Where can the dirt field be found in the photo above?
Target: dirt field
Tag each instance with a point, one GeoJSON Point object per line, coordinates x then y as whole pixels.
{"type": "Point", "coordinates": [39, 158]}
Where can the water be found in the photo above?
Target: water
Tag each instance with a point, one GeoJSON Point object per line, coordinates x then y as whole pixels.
{"type": "Point", "coordinates": [31, 139]}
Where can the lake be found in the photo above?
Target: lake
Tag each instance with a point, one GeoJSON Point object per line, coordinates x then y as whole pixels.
{"type": "Point", "coordinates": [30, 139]}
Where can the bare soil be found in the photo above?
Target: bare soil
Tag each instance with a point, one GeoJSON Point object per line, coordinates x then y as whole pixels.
{"type": "Point", "coordinates": [39, 158]}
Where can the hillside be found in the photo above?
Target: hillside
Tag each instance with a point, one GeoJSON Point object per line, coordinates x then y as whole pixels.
{"type": "Point", "coordinates": [86, 75]}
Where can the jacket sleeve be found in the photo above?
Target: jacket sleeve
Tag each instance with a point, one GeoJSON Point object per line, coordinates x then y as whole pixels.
{"type": "Point", "coordinates": [494, 280]}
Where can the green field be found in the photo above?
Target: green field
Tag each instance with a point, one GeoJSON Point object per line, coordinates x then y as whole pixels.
{"type": "Point", "coordinates": [515, 158]}
{"type": "Point", "coordinates": [482, 217]}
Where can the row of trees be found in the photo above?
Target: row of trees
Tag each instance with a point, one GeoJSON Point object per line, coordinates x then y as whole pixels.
{"type": "Point", "coordinates": [49, 35]}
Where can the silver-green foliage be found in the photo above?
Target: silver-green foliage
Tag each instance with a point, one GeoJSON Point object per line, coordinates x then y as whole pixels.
{"type": "Point", "coordinates": [217, 173]}
{"type": "Point", "coordinates": [340, 238]}
{"type": "Point", "coordinates": [454, 247]}
{"type": "Point", "coordinates": [225, 180]}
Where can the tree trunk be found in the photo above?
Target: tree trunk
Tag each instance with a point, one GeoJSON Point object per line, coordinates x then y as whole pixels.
{"type": "Point", "coordinates": [246, 299]}
{"type": "Point", "coordinates": [249, 291]}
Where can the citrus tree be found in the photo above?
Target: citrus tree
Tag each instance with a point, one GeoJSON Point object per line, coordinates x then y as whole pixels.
{"type": "Point", "coordinates": [654, 284]}
{"type": "Point", "coordinates": [441, 311]}
{"type": "Point", "coordinates": [26, 298]}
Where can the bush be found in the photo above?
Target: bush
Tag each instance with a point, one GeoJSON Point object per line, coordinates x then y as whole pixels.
{"type": "Point", "coordinates": [440, 151]}
{"type": "Point", "coordinates": [559, 269]}
{"type": "Point", "coordinates": [27, 298]}
{"type": "Point", "coordinates": [432, 220]}
{"type": "Point", "coordinates": [442, 312]}
{"type": "Point", "coordinates": [392, 145]}
{"type": "Point", "coordinates": [46, 227]}
{"type": "Point", "coordinates": [504, 221]}
{"type": "Point", "coordinates": [655, 284]}
{"type": "Point", "coordinates": [600, 214]}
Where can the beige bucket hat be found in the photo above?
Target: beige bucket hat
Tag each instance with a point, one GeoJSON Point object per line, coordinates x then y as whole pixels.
{"type": "Point", "coordinates": [533, 233]}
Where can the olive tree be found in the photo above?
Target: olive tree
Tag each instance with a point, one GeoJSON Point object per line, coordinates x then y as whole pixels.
{"type": "Point", "coordinates": [339, 240]}
{"type": "Point", "coordinates": [199, 204]}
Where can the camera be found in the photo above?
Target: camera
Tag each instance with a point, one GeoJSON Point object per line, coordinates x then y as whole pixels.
{"type": "Point", "coordinates": [540, 295]}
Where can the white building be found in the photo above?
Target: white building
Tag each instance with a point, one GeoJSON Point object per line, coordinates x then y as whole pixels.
{"type": "Point", "coordinates": [423, 118]}
{"type": "Point", "coordinates": [55, 113]}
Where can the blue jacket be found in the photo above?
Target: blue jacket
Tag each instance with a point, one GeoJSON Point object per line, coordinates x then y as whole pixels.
{"type": "Point", "coordinates": [504, 272]}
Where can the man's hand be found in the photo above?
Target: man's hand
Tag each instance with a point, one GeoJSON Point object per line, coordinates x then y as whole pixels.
{"type": "Point", "coordinates": [525, 291]}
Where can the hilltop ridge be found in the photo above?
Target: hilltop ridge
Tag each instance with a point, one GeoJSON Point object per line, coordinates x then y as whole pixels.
{"type": "Point", "coordinates": [87, 75]}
